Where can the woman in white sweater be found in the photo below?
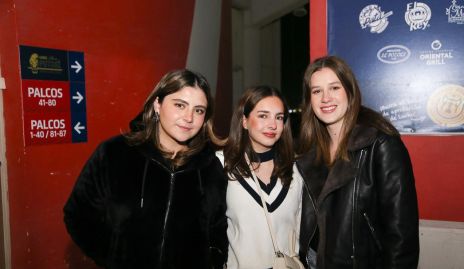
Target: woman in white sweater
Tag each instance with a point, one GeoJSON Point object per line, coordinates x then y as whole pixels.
{"type": "Point", "coordinates": [260, 132]}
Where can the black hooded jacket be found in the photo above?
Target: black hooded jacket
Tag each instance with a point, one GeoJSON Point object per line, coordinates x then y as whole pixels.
{"type": "Point", "coordinates": [129, 209]}
{"type": "Point", "coordinates": [366, 212]}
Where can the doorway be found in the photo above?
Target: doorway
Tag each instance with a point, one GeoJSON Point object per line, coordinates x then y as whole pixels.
{"type": "Point", "coordinates": [271, 49]}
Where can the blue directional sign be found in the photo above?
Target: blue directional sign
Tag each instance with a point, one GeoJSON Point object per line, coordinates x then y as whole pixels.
{"type": "Point", "coordinates": [79, 127]}
{"type": "Point", "coordinates": [76, 66]}
{"type": "Point", "coordinates": [78, 112]}
{"type": "Point", "coordinates": [77, 95]}
{"type": "Point", "coordinates": [53, 96]}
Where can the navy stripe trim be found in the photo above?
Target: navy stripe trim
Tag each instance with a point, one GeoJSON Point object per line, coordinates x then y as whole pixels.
{"type": "Point", "coordinates": [270, 207]}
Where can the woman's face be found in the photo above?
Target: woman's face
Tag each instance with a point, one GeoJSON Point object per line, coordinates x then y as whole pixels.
{"type": "Point", "coordinates": [181, 116]}
{"type": "Point", "coordinates": [328, 98]}
{"type": "Point", "coordinates": [265, 123]}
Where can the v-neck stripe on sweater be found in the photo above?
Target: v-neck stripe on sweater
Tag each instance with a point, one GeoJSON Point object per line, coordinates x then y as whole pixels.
{"type": "Point", "coordinates": [268, 189]}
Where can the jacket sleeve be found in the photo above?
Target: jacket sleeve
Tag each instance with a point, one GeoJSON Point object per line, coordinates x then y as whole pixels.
{"type": "Point", "coordinates": [398, 210]}
{"type": "Point", "coordinates": [84, 212]}
{"type": "Point", "coordinates": [218, 224]}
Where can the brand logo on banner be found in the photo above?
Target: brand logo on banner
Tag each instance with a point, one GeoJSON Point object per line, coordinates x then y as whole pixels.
{"type": "Point", "coordinates": [436, 56]}
{"type": "Point", "coordinates": [45, 63]}
{"type": "Point", "coordinates": [372, 16]}
{"type": "Point", "coordinates": [417, 16]}
{"type": "Point", "coordinates": [446, 105]}
{"type": "Point", "coordinates": [393, 54]}
{"type": "Point", "coordinates": [455, 13]}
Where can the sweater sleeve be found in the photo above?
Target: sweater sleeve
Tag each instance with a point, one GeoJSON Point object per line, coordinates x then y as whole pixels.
{"type": "Point", "coordinates": [398, 204]}
{"type": "Point", "coordinates": [84, 212]}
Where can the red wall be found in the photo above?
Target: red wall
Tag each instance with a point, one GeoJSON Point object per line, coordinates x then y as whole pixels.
{"type": "Point", "coordinates": [127, 46]}
{"type": "Point", "coordinates": [437, 160]}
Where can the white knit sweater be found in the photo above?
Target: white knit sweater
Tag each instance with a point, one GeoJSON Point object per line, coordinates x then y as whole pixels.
{"type": "Point", "coordinates": [250, 244]}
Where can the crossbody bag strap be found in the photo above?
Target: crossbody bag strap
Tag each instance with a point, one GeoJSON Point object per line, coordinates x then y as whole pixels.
{"type": "Point", "coordinates": [266, 212]}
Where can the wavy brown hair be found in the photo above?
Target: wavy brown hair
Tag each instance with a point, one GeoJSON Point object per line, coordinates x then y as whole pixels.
{"type": "Point", "coordinates": [238, 143]}
{"type": "Point", "coordinates": [314, 133]}
{"type": "Point", "coordinates": [145, 128]}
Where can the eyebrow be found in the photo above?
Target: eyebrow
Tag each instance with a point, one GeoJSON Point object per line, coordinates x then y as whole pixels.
{"type": "Point", "coordinates": [335, 82]}
{"type": "Point", "coordinates": [180, 100]}
{"type": "Point", "coordinates": [268, 112]}
{"type": "Point", "coordinates": [200, 106]}
{"type": "Point", "coordinates": [331, 83]}
{"type": "Point", "coordinates": [185, 102]}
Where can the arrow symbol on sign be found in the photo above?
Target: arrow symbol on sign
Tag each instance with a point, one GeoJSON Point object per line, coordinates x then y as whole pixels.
{"type": "Point", "coordinates": [78, 97]}
{"type": "Point", "coordinates": [77, 66]}
{"type": "Point", "coordinates": [78, 127]}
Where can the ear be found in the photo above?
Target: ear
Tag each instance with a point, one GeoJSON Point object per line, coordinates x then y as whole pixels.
{"type": "Point", "coordinates": [244, 122]}
{"type": "Point", "coordinates": [156, 105]}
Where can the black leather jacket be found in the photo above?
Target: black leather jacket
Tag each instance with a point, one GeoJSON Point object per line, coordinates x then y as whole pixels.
{"type": "Point", "coordinates": [128, 209]}
{"type": "Point", "coordinates": [367, 212]}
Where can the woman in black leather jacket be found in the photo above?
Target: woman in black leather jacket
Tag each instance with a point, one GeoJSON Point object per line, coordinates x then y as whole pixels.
{"type": "Point", "coordinates": [155, 197]}
{"type": "Point", "coordinates": [359, 200]}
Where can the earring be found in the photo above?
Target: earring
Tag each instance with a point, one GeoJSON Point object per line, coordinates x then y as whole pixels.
{"type": "Point", "coordinates": [156, 117]}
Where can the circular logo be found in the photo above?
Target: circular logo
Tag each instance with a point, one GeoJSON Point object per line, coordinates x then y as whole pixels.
{"type": "Point", "coordinates": [420, 13]}
{"type": "Point", "coordinates": [373, 17]}
{"type": "Point", "coordinates": [436, 45]}
{"type": "Point", "coordinates": [446, 106]}
{"type": "Point", "coordinates": [417, 16]}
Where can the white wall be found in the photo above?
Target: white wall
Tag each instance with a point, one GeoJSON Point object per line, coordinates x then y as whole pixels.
{"type": "Point", "coordinates": [203, 53]}
{"type": "Point", "coordinates": [441, 245]}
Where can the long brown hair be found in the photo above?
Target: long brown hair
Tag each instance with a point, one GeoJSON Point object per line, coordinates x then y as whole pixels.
{"type": "Point", "coordinates": [146, 129]}
{"type": "Point", "coordinates": [238, 143]}
{"type": "Point", "coordinates": [314, 132]}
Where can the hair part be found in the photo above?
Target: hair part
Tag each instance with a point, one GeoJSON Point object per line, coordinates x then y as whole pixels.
{"type": "Point", "coordinates": [238, 143]}
{"type": "Point", "coordinates": [146, 128]}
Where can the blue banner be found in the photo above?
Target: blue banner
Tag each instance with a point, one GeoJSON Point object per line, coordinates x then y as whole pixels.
{"type": "Point", "coordinates": [408, 57]}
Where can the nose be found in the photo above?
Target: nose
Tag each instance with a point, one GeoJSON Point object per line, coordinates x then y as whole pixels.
{"type": "Point", "coordinates": [272, 124]}
{"type": "Point", "coordinates": [326, 96]}
{"type": "Point", "coordinates": [188, 116]}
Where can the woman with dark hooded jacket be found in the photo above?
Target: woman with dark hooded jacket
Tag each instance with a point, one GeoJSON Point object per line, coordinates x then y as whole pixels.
{"type": "Point", "coordinates": [359, 200]}
{"type": "Point", "coordinates": [155, 196]}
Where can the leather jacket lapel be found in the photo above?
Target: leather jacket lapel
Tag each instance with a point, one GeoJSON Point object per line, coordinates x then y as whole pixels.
{"type": "Point", "coordinates": [341, 173]}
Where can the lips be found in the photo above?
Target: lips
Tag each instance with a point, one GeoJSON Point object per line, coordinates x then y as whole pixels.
{"type": "Point", "coordinates": [328, 109]}
{"type": "Point", "coordinates": [184, 128]}
{"type": "Point", "coordinates": [270, 135]}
